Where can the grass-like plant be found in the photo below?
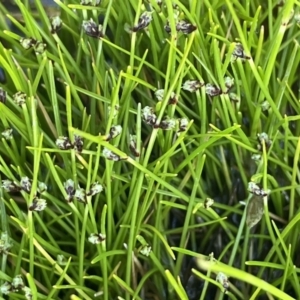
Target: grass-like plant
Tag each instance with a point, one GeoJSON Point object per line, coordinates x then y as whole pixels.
{"type": "Point", "coordinates": [150, 149]}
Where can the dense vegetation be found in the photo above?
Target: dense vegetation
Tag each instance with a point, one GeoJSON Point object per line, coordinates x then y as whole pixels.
{"type": "Point", "coordinates": [150, 149]}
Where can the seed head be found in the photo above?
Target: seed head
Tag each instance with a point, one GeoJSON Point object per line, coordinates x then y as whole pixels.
{"type": "Point", "coordinates": [185, 27]}
{"type": "Point", "coordinates": [92, 29]}
{"type": "Point", "coordinates": [27, 293]}
{"type": "Point", "coordinates": [5, 288]}
{"type": "Point", "coordinates": [229, 82]}
{"type": "Point", "coordinates": [114, 132]}
{"type": "Point", "coordinates": [212, 90]}
{"type": "Point", "coordinates": [69, 186]}
{"type": "Point", "coordinates": [64, 143]}
{"type": "Point", "coordinates": [38, 204]}
{"type": "Point", "coordinates": [7, 133]}
{"type": "Point", "coordinates": [133, 145]}
{"type": "Point", "coordinates": [61, 260]}
{"type": "Point", "coordinates": [148, 115]}
{"type": "Point", "coordinates": [10, 186]}
{"type": "Point", "coordinates": [181, 26]}
{"type": "Point", "coordinates": [159, 94]}
{"type": "Point", "coordinates": [27, 43]}
{"type": "Point", "coordinates": [145, 250]}
{"type": "Point", "coordinates": [143, 22]}
{"type": "Point", "coordinates": [96, 238]}
{"type": "Point", "coordinates": [265, 106]}
{"type": "Point", "coordinates": [40, 47]}
{"type": "Point", "coordinates": [192, 85]}
{"type": "Point", "coordinates": [256, 157]}
{"type": "Point", "coordinates": [78, 143]}
{"type": "Point", "coordinates": [208, 202]}
{"type": "Point", "coordinates": [20, 98]}
{"type": "Point", "coordinates": [256, 190]}
{"type": "Point", "coordinates": [80, 195]}
{"type": "Point", "coordinates": [56, 24]}
{"type": "Point", "coordinates": [108, 154]}
{"type": "Point", "coordinates": [263, 137]}
{"type": "Point", "coordinates": [5, 243]}
{"type": "Point", "coordinates": [42, 187]}
{"type": "Point", "coordinates": [167, 124]}
{"type": "Point", "coordinates": [238, 52]}
{"type": "Point", "coordinates": [17, 283]}
{"type": "Point", "coordinates": [26, 184]}
{"type": "Point", "coordinates": [95, 188]}
{"type": "Point", "coordinates": [223, 279]}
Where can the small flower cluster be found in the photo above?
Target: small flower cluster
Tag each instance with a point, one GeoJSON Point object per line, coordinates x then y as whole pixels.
{"type": "Point", "coordinates": [256, 190]}
{"type": "Point", "coordinates": [114, 131]}
{"type": "Point", "coordinates": [256, 157]}
{"type": "Point", "coordinates": [80, 194]}
{"type": "Point", "coordinates": [38, 46]}
{"type": "Point", "coordinates": [10, 186]}
{"type": "Point", "coordinates": [7, 134]}
{"type": "Point", "coordinates": [56, 24]}
{"type": "Point", "coordinates": [64, 143]}
{"type": "Point", "coordinates": [265, 106]}
{"type": "Point", "coordinates": [145, 248]}
{"type": "Point", "coordinates": [208, 202]}
{"type": "Point", "coordinates": [181, 26]}
{"type": "Point", "coordinates": [25, 185]}
{"type": "Point", "coordinates": [263, 138]}
{"type": "Point", "coordinates": [223, 279]}
{"type": "Point", "coordinates": [110, 155]}
{"type": "Point", "coordinates": [210, 89]}
{"type": "Point", "coordinates": [159, 94]}
{"type": "Point", "coordinates": [14, 286]}
{"type": "Point", "coordinates": [192, 85]}
{"type": "Point", "coordinates": [61, 260]}
{"type": "Point", "coordinates": [5, 243]}
{"type": "Point", "coordinates": [145, 19]}
{"type": "Point", "coordinates": [96, 238]}
{"type": "Point", "coordinates": [133, 145]}
{"type": "Point", "coordinates": [167, 123]}
{"type": "Point", "coordinates": [239, 52]}
{"type": "Point", "coordinates": [150, 118]}
{"type": "Point", "coordinates": [38, 204]}
{"type": "Point", "coordinates": [20, 98]}
{"type": "Point", "coordinates": [92, 29]}
{"type": "Point", "coordinates": [143, 22]}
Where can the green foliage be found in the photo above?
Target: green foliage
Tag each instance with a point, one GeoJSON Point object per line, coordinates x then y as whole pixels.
{"type": "Point", "coordinates": [128, 147]}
